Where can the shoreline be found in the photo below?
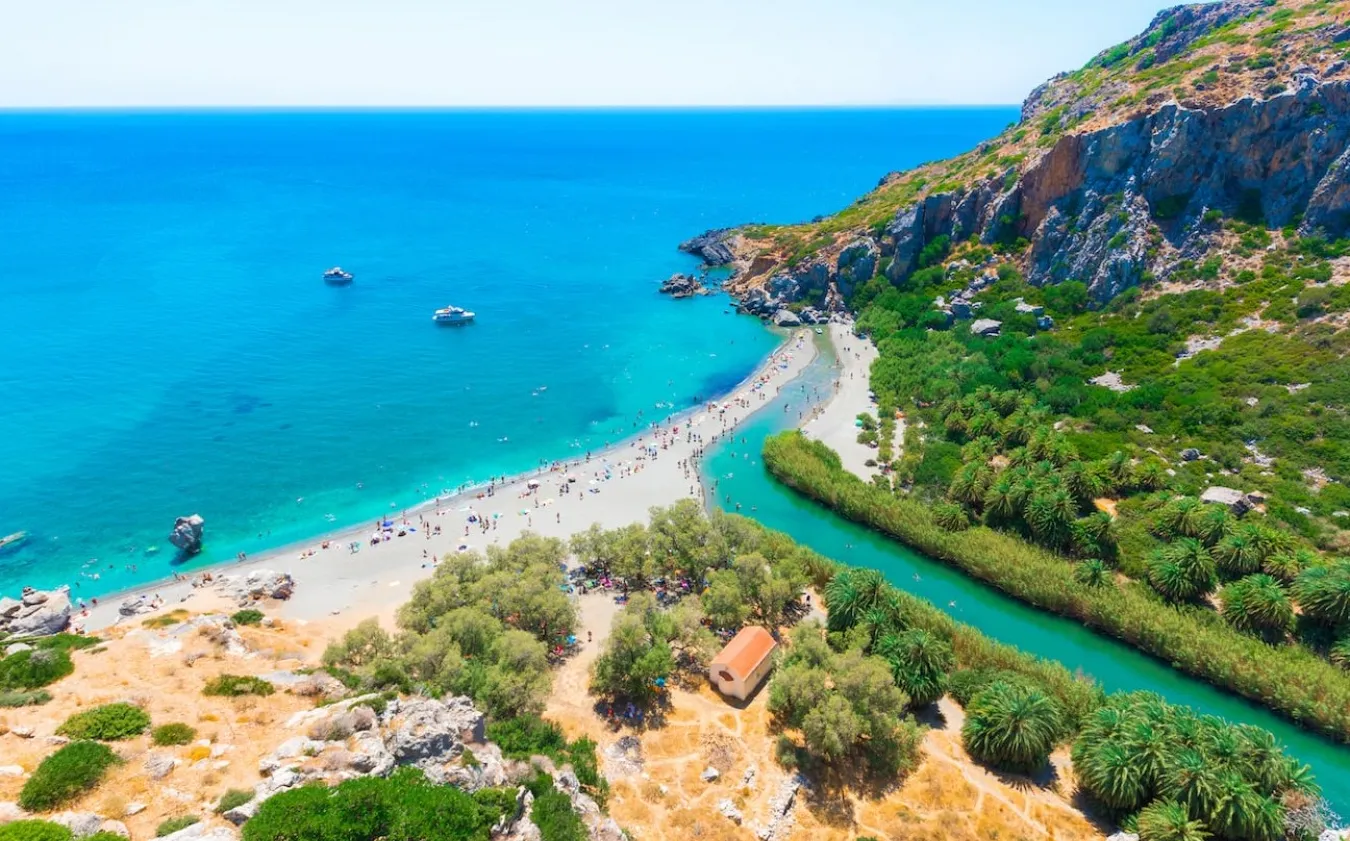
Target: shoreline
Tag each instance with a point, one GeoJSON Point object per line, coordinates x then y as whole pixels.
{"type": "Point", "coordinates": [670, 449]}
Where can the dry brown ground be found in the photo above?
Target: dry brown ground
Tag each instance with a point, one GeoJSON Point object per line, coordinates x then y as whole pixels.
{"type": "Point", "coordinates": [949, 797]}
{"type": "Point", "coordinates": [237, 730]}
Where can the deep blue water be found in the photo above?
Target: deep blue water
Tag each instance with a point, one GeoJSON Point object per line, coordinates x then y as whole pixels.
{"type": "Point", "coordinates": [168, 347]}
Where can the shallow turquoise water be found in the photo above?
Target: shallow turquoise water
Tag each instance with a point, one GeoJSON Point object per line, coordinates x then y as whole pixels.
{"type": "Point", "coordinates": [742, 479]}
{"type": "Point", "coordinates": [169, 348]}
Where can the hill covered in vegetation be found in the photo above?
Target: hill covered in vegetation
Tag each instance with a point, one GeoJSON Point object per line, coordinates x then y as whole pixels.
{"type": "Point", "coordinates": [1117, 332]}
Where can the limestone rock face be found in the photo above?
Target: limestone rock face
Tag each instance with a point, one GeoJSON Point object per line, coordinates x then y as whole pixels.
{"type": "Point", "coordinates": [187, 534]}
{"type": "Point", "coordinates": [786, 318]}
{"type": "Point", "coordinates": [80, 824]}
{"type": "Point", "coordinates": [856, 265]}
{"type": "Point", "coordinates": [711, 246]}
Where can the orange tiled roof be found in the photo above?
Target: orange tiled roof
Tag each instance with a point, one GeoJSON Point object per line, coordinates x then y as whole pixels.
{"type": "Point", "coordinates": [746, 650]}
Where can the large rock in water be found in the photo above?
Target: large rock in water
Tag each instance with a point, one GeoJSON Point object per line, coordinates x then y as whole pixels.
{"type": "Point", "coordinates": [681, 286]}
{"type": "Point", "coordinates": [187, 534]}
{"type": "Point", "coordinates": [711, 246]}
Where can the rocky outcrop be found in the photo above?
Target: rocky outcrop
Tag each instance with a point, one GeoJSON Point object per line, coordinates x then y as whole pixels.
{"type": "Point", "coordinates": [37, 614]}
{"type": "Point", "coordinates": [711, 247]}
{"type": "Point", "coordinates": [256, 585]}
{"type": "Point", "coordinates": [681, 286]}
{"type": "Point", "coordinates": [187, 534]}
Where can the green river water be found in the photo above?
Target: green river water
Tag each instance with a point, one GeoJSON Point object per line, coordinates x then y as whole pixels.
{"type": "Point", "coordinates": [738, 469]}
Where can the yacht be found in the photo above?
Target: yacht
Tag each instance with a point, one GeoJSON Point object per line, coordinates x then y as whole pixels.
{"type": "Point", "coordinates": [13, 539]}
{"type": "Point", "coordinates": [337, 277]}
{"type": "Point", "coordinates": [452, 315]}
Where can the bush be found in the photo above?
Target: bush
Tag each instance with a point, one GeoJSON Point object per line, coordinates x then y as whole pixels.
{"type": "Point", "coordinates": [31, 830]}
{"type": "Point", "coordinates": [34, 669]}
{"type": "Point", "coordinates": [526, 736]}
{"type": "Point", "coordinates": [66, 774]}
{"type": "Point", "coordinates": [176, 733]}
{"type": "Point", "coordinates": [553, 814]}
{"type": "Point", "coordinates": [171, 825]}
{"type": "Point", "coordinates": [404, 805]}
{"type": "Point", "coordinates": [24, 699]}
{"type": "Point", "coordinates": [231, 686]}
{"type": "Point", "coordinates": [108, 723]}
{"type": "Point", "coordinates": [247, 617]}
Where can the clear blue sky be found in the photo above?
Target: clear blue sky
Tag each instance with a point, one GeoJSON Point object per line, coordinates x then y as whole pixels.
{"type": "Point", "coordinates": [547, 52]}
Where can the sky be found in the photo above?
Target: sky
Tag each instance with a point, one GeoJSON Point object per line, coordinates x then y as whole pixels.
{"type": "Point", "coordinates": [65, 53]}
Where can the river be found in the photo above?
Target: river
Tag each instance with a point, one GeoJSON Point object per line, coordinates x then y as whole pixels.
{"type": "Point", "coordinates": [739, 471]}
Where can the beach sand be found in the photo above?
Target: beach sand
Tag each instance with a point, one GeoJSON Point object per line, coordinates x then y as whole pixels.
{"type": "Point", "coordinates": [835, 423]}
{"type": "Point", "coordinates": [644, 471]}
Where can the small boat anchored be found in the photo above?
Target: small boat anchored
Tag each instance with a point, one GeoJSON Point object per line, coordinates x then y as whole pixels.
{"type": "Point", "coordinates": [14, 539]}
{"type": "Point", "coordinates": [337, 277]}
{"type": "Point", "coordinates": [452, 315]}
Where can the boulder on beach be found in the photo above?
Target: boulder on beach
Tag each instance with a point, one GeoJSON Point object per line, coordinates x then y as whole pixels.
{"type": "Point", "coordinates": [187, 534]}
{"type": "Point", "coordinates": [39, 614]}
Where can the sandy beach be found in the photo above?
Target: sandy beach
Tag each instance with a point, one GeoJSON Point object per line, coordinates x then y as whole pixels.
{"type": "Point", "coordinates": [612, 487]}
{"type": "Point", "coordinates": [835, 423]}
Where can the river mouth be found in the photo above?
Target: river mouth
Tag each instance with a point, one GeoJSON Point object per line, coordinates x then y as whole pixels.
{"type": "Point", "coordinates": [738, 470]}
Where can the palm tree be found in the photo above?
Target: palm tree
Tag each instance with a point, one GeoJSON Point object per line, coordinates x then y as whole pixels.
{"type": "Point", "coordinates": [970, 483]}
{"type": "Point", "coordinates": [950, 517]}
{"type": "Point", "coordinates": [1258, 604]}
{"type": "Point", "coordinates": [850, 595]}
{"type": "Point", "coordinates": [1150, 475]}
{"type": "Point", "coordinates": [1340, 652]}
{"type": "Point", "coordinates": [1287, 565]}
{"type": "Point", "coordinates": [1092, 573]}
{"type": "Point", "coordinates": [1084, 481]}
{"type": "Point", "coordinates": [1214, 524]}
{"type": "Point", "coordinates": [1107, 769]}
{"type": "Point", "coordinates": [1050, 514]}
{"type": "Point", "coordinates": [1236, 805]}
{"type": "Point", "coordinates": [1001, 500]}
{"type": "Point", "coordinates": [981, 450]}
{"type": "Point", "coordinates": [1183, 571]}
{"type": "Point", "coordinates": [1181, 518]}
{"type": "Point", "coordinates": [1011, 726]}
{"type": "Point", "coordinates": [1118, 470]}
{"type": "Point", "coordinates": [1324, 592]}
{"type": "Point", "coordinates": [1192, 780]}
{"type": "Point", "coordinates": [1238, 554]}
{"type": "Point", "coordinates": [1020, 457]}
{"type": "Point", "coordinates": [1016, 430]}
{"type": "Point", "coordinates": [1168, 821]}
{"type": "Point", "coordinates": [983, 425]}
{"type": "Point", "coordinates": [920, 663]}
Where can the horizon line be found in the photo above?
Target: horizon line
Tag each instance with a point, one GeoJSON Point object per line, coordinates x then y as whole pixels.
{"type": "Point", "coordinates": [295, 108]}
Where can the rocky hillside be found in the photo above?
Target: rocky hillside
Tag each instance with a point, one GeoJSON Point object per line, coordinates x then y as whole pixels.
{"type": "Point", "coordinates": [1116, 174]}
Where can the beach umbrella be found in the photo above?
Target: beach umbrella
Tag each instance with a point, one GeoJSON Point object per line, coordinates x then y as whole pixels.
{"type": "Point", "coordinates": [532, 484]}
{"type": "Point", "coordinates": [497, 515]}
{"type": "Point", "coordinates": [524, 512]}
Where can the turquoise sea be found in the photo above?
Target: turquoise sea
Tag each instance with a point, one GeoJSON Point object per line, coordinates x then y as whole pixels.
{"type": "Point", "coordinates": [169, 348]}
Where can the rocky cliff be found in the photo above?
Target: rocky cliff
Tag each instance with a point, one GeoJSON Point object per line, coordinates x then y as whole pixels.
{"type": "Point", "coordinates": [1115, 174]}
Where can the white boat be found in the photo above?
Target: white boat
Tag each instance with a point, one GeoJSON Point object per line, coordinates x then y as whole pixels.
{"type": "Point", "coordinates": [452, 315]}
{"type": "Point", "coordinates": [13, 539]}
{"type": "Point", "coordinates": [337, 277]}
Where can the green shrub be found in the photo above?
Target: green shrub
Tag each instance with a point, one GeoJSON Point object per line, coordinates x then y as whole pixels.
{"type": "Point", "coordinates": [66, 774]}
{"type": "Point", "coordinates": [175, 733]}
{"type": "Point", "coordinates": [526, 736]}
{"type": "Point", "coordinates": [24, 699]}
{"type": "Point", "coordinates": [108, 723]}
{"type": "Point", "coordinates": [31, 830]}
{"type": "Point", "coordinates": [231, 686]}
{"type": "Point", "coordinates": [553, 814]}
{"type": "Point", "coordinates": [404, 805]}
{"type": "Point", "coordinates": [34, 669]}
{"type": "Point", "coordinates": [233, 799]}
{"type": "Point", "coordinates": [171, 825]}
{"type": "Point", "coordinates": [247, 617]}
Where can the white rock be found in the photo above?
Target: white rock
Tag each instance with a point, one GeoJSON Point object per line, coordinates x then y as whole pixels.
{"type": "Point", "coordinates": [134, 808]}
{"type": "Point", "coordinates": [22, 732]}
{"type": "Point", "coordinates": [11, 771]}
{"type": "Point", "coordinates": [80, 824]}
{"type": "Point", "coordinates": [115, 827]}
{"type": "Point", "coordinates": [10, 812]}
{"type": "Point", "coordinates": [709, 774]}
